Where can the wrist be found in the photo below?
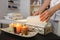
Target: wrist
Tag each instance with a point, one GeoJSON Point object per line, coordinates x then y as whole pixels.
{"type": "Point", "coordinates": [56, 7]}
{"type": "Point", "coordinates": [51, 11]}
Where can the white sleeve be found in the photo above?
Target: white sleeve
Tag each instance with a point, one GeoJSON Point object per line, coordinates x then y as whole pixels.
{"type": "Point", "coordinates": [54, 2]}
{"type": "Point", "coordinates": [58, 1]}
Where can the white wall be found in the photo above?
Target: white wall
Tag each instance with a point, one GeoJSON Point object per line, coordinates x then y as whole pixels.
{"type": "Point", "coordinates": [25, 7]}
{"type": "Point", "coordinates": [3, 7]}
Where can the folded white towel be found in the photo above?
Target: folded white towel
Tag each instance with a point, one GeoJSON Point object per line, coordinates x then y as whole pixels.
{"type": "Point", "coordinates": [35, 20]}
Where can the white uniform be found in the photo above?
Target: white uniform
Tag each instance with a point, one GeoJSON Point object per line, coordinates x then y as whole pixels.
{"type": "Point", "coordinates": [55, 17]}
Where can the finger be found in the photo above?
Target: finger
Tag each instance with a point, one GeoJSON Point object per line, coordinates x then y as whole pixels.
{"type": "Point", "coordinates": [36, 13]}
{"type": "Point", "coordinates": [43, 13]}
{"type": "Point", "coordinates": [44, 17]}
{"type": "Point", "coordinates": [47, 19]}
{"type": "Point", "coordinates": [41, 19]}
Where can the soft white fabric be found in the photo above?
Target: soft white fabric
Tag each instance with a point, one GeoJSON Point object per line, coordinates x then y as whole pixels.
{"type": "Point", "coordinates": [35, 20]}
{"type": "Point", "coordinates": [56, 15]}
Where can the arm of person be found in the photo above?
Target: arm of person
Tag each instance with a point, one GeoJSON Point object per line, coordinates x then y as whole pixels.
{"type": "Point", "coordinates": [43, 7]}
{"type": "Point", "coordinates": [48, 13]}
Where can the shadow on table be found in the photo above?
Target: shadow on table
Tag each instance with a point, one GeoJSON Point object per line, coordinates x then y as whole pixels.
{"type": "Point", "coordinates": [7, 36]}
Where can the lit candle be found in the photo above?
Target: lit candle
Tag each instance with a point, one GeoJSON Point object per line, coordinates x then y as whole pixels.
{"type": "Point", "coordinates": [18, 27]}
{"type": "Point", "coordinates": [24, 30]}
{"type": "Point", "coordinates": [12, 25]}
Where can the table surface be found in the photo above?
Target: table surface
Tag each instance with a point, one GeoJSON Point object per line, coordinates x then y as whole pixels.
{"type": "Point", "coordinates": [7, 36]}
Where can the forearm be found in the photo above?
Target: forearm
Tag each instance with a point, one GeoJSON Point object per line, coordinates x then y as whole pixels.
{"type": "Point", "coordinates": [44, 5]}
{"type": "Point", "coordinates": [55, 8]}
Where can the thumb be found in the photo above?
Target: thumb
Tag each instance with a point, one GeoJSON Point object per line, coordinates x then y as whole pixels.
{"type": "Point", "coordinates": [36, 13]}
{"type": "Point", "coordinates": [47, 19]}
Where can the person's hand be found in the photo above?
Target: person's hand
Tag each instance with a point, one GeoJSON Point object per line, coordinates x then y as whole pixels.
{"type": "Point", "coordinates": [36, 13]}
{"type": "Point", "coordinates": [45, 16]}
